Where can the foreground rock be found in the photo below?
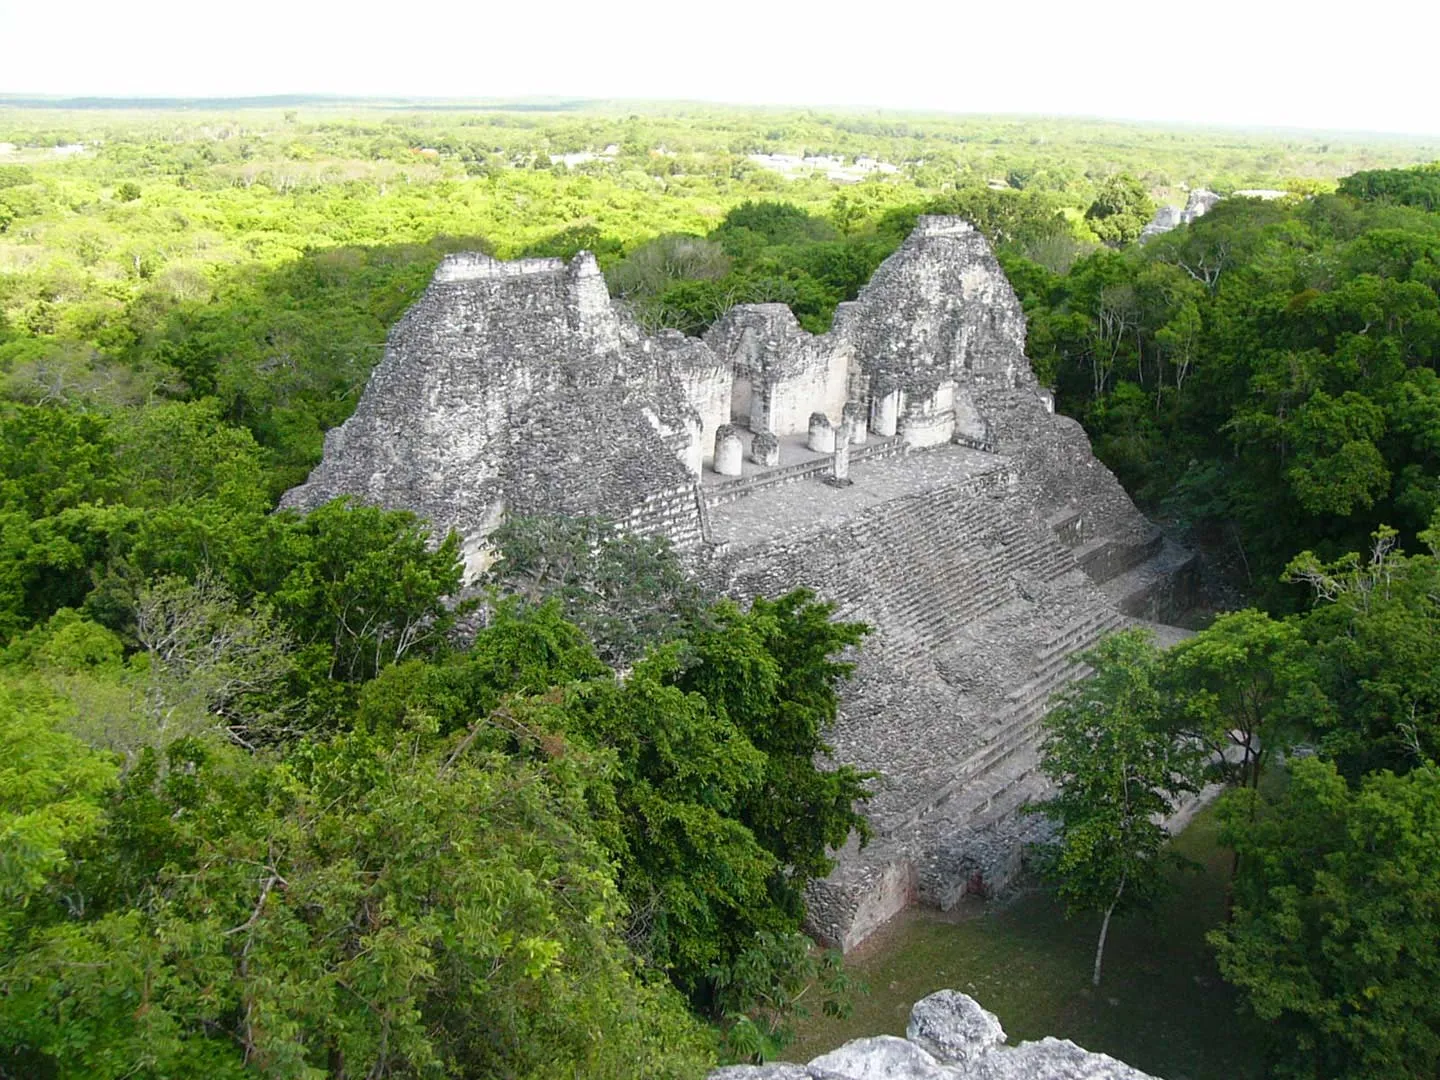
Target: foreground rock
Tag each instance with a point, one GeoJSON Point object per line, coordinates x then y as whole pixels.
{"type": "Point", "coordinates": [949, 1037]}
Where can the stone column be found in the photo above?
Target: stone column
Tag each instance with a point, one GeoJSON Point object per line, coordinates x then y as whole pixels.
{"type": "Point", "coordinates": [840, 462]}
{"type": "Point", "coordinates": [853, 417]}
{"type": "Point", "coordinates": [885, 413]}
{"type": "Point", "coordinates": [728, 450]}
{"type": "Point", "coordinates": [765, 450]}
{"type": "Point", "coordinates": [760, 391]}
{"type": "Point", "coordinates": [822, 435]}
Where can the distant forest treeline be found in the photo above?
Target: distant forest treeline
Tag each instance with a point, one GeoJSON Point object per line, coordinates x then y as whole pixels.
{"type": "Point", "coordinates": [289, 101]}
{"type": "Point", "coordinates": [255, 260]}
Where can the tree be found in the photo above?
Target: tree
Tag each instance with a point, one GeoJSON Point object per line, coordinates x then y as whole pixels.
{"type": "Point", "coordinates": [1118, 773]}
{"type": "Point", "coordinates": [753, 225]}
{"type": "Point", "coordinates": [360, 584]}
{"type": "Point", "coordinates": [184, 451]}
{"type": "Point", "coordinates": [626, 592]}
{"type": "Point", "coordinates": [705, 783]}
{"type": "Point", "coordinates": [208, 661]}
{"type": "Point", "coordinates": [1334, 939]}
{"type": "Point", "coordinates": [1122, 207]}
{"type": "Point", "coordinates": [694, 876]}
{"type": "Point", "coordinates": [1417, 186]}
{"type": "Point", "coordinates": [52, 791]}
{"type": "Point", "coordinates": [647, 270]}
{"type": "Point", "coordinates": [1373, 641]}
{"type": "Point", "coordinates": [1338, 469]}
{"type": "Point", "coordinates": [372, 908]}
{"type": "Point", "coordinates": [774, 671]}
{"type": "Point", "coordinates": [1239, 685]}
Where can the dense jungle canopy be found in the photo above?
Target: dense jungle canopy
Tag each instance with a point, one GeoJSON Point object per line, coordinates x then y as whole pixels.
{"type": "Point", "coordinates": [264, 813]}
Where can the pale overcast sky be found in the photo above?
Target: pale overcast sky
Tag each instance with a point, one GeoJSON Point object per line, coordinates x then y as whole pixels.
{"type": "Point", "coordinates": [1357, 66]}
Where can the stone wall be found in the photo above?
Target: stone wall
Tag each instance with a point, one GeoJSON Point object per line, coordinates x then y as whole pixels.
{"type": "Point", "coordinates": [706, 381]}
{"type": "Point", "coordinates": [787, 372]}
{"type": "Point", "coordinates": [516, 388]}
{"type": "Point", "coordinates": [511, 387]}
{"type": "Point", "coordinates": [941, 306]}
{"type": "Point", "coordinates": [977, 606]}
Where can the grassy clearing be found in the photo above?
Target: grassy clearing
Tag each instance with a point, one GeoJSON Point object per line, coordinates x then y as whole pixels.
{"type": "Point", "coordinates": [1161, 1006]}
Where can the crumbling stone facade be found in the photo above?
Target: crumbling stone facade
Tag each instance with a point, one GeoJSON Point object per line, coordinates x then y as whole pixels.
{"type": "Point", "coordinates": [905, 464]}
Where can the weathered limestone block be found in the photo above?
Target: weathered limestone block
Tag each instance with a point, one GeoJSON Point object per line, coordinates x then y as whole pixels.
{"type": "Point", "coordinates": [822, 435]}
{"type": "Point", "coordinates": [765, 450]}
{"type": "Point", "coordinates": [969, 423]}
{"type": "Point", "coordinates": [518, 387]}
{"type": "Point", "coordinates": [1200, 203]}
{"type": "Point", "coordinates": [775, 1070]}
{"type": "Point", "coordinates": [883, 1057]}
{"type": "Point", "coordinates": [853, 416]}
{"type": "Point", "coordinates": [706, 382]}
{"type": "Point", "coordinates": [940, 306]}
{"type": "Point", "coordinates": [840, 463]}
{"type": "Point", "coordinates": [786, 371]}
{"type": "Point", "coordinates": [885, 412]}
{"type": "Point", "coordinates": [1050, 1059]}
{"type": "Point", "coordinates": [729, 451]}
{"type": "Point", "coordinates": [953, 1027]}
{"type": "Point", "coordinates": [929, 418]}
{"type": "Point", "coordinates": [1165, 219]}
{"type": "Point", "coordinates": [950, 1037]}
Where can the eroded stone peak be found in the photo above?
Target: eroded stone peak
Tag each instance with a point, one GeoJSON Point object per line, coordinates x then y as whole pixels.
{"type": "Point", "coordinates": [941, 225]}
{"type": "Point", "coordinates": [477, 266]}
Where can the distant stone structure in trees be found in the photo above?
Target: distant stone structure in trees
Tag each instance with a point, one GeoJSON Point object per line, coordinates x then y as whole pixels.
{"type": "Point", "coordinates": [905, 464]}
{"type": "Point", "coordinates": [1200, 203]}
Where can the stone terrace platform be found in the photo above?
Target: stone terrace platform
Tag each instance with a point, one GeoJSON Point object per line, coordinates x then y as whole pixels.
{"type": "Point", "coordinates": [980, 606]}
{"type": "Point", "coordinates": [764, 511]}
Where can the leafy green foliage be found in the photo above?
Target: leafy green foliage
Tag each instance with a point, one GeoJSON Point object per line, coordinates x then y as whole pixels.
{"type": "Point", "coordinates": [773, 672]}
{"type": "Point", "coordinates": [1122, 207]}
{"type": "Point", "coordinates": [1118, 772]}
{"type": "Point", "coordinates": [369, 910]}
{"type": "Point", "coordinates": [760, 993]}
{"type": "Point", "coordinates": [1419, 186]}
{"type": "Point", "coordinates": [52, 790]}
{"type": "Point", "coordinates": [1333, 940]}
{"type": "Point", "coordinates": [359, 586]}
{"type": "Point", "coordinates": [1241, 684]}
{"type": "Point", "coordinates": [1374, 645]}
{"type": "Point", "coordinates": [1265, 375]}
{"type": "Point", "coordinates": [624, 591]}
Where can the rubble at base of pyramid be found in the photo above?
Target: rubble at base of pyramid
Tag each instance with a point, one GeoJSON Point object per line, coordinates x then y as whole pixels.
{"type": "Point", "coordinates": [905, 464]}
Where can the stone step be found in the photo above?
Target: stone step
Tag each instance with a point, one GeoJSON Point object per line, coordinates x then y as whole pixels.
{"type": "Point", "coordinates": [1015, 730]}
{"type": "Point", "coordinates": [996, 794]}
{"type": "Point", "coordinates": [1093, 625]}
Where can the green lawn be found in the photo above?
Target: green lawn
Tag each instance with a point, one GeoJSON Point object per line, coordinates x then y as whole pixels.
{"type": "Point", "coordinates": [1161, 1005]}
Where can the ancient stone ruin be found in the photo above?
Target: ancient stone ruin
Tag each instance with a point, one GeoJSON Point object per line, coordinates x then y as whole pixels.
{"type": "Point", "coordinates": [949, 1037]}
{"type": "Point", "coordinates": [906, 465]}
{"type": "Point", "coordinates": [1200, 203]}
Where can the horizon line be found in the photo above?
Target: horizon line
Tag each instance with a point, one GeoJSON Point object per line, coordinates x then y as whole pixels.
{"type": "Point", "coordinates": [563, 103]}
